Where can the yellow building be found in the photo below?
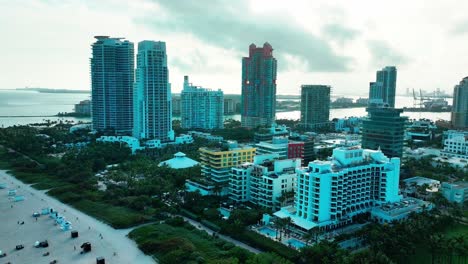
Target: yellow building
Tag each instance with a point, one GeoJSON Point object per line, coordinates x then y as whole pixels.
{"type": "Point", "coordinates": [217, 163]}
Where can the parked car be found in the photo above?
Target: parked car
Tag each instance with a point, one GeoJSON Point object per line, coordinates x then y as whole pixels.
{"type": "Point", "coordinates": [36, 214]}
{"type": "Point", "coordinates": [19, 247]}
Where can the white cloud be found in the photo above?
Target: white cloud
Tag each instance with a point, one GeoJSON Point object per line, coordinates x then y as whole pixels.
{"type": "Point", "coordinates": [47, 43]}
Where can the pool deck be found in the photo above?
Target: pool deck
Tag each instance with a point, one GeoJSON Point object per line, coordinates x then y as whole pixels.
{"type": "Point", "coordinates": [284, 237]}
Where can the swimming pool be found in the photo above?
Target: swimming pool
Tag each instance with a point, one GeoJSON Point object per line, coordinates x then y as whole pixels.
{"type": "Point", "coordinates": [224, 212]}
{"type": "Point", "coordinates": [267, 231]}
{"type": "Point", "coordinates": [295, 243]}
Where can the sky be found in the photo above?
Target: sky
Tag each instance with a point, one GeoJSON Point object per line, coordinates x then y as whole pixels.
{"type": "Point", "coordinates": [338, 43]}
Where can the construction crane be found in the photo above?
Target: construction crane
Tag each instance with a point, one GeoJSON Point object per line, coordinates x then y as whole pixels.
{"type": "Point", "coordinates": [421, 99]}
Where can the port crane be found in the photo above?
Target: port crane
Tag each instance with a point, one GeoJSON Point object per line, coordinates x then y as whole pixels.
{"type": "Point", "coordinates": [421, 99]}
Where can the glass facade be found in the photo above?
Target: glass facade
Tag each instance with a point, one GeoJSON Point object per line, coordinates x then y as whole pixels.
{"type": "Point", "coordinates": [112, 78]}
{"type": "Point", "coordinates": [152, 93]}
{"type": "Point", "coordinates": [315, 105]}
{"type": "Point", "coordinates": [460, 105]}
{"type": "Point", "coordinates": [384, 128]}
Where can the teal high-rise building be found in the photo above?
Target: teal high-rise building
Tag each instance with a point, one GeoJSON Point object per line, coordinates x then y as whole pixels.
{"type": "Point", "coordinates": [384, 88]}
{"type": "Point", "coordinates": [460, 105]}
{"type": "Point", "coordinates": [258, 102]}
{"type": "Point", "coordinates": [384, 128]}
{"type": "Point", "coordinates": [112, 77]}
{"type": "Point", "coordinates": [152, 93]}
{"type": "Point", "coordinates": [315, 105]}
{"type": "Point", "coordinates": [201, 108]}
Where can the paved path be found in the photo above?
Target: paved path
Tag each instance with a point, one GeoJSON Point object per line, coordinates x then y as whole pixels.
{"type": "Point", "coordinates": [61, 245]}
{"type": "Point", "coordinates": [200, 226]}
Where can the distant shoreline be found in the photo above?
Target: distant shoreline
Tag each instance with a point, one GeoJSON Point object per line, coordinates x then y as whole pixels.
{"type": "Point", "coordinates": [47, 90]}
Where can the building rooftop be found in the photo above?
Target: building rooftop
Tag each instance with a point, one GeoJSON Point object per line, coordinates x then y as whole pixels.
{"type": "Point", "coordinates": [180, 161]}
{"type": "Point", "coordinates": [228, 146]}
{"type": "Point", "coordinates": [351, 156]}
{"type": "Point", "coordinates": [403, 207]}
{"type": "Point", "coordinates": [290, 211]}
{"type": "Point", "coordinates": [418, 180]}
{"type": "Point", "coordinates": [458, 185]}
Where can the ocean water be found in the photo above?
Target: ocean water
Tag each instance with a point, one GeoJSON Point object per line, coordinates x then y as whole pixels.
{"type": "Point", "coordinates": [26, 107]}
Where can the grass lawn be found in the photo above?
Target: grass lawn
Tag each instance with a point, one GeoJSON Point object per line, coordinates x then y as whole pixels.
{"type": "Point", "coordinates": [39, 181]}
{"type": "Point", "coordinates": [183, 244]}
{"type": "Point", "coordinates": [4, 165]}
{"type": "Point", "coordinates": [456, 230]}
{"type": "Point", "coordinates": [116, 216]}
{"type": "Point", "coordinates": [85, 201]}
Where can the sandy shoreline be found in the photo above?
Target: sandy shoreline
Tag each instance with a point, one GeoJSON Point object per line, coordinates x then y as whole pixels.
{"type": "Point", "coordinates": [61, 244]}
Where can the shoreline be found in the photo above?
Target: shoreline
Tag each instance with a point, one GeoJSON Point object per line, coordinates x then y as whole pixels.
{"type": "Point", "coordinates": [61, 245]}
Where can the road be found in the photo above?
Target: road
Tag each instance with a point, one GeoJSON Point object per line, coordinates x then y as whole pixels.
{"type": "Point", "coordinates": [200, 226]}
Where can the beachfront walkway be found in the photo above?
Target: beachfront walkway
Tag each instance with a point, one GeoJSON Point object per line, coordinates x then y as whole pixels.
{"type": "Point", "coordinates": [61, 245]}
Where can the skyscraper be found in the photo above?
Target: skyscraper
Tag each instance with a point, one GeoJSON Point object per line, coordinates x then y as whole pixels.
{"type": "Point", "coordinates": [376, 92]}
{"type": "Point", "coordinates": [384, 128]}
{"type": "Point", "coordinates": [460, 105]}
{"type": "Point", "coordinates": [385, 86]}
{"type": "Point", "coordinates": [201, 108]}
{"type": "Point", "coordinates": [112, 77]}
{"type": "Point", "coordinates": [258, 87]}
{"type": "Point", "coordinates": [152, 93]}
{"type": "Point", "coordinates": [315, 105]}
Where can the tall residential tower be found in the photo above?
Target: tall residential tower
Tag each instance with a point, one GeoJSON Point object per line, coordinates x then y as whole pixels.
{"type": "Point", "coordinates": [384, 87]}
{"type": "Point", "coordinates": [112, 77]}
{"type": "Point", "coordinates": [460, 105]}
{"type": "Point", "coordinates": [152, 93]}
{"type": "Point", "coordinates": [258, 87]}
{"type": "Point", "coordinates": [200, 107]}
{"type": "Point", "coordinates": [315, 105]}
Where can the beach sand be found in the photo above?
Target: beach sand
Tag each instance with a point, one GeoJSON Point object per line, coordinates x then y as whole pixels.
{"type": "Point", "coordinates": [61, 245]}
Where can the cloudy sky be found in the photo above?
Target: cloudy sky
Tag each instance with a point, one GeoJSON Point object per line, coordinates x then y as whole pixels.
{"type": "Point", "coordinates": [340, 43]}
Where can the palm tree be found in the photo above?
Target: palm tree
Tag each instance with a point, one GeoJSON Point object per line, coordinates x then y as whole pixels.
{"type": "Point", "coordinates": [461, 246]}
{"type": "Point", "coordinates": [217, 189]}
{"type": "Point", "coordinates": [435, 242]}
{"type": "Point", "coordinates": [280, 223]}
{"type": "Point", "coordinates": [285, 198]}
{"type": "Point", "coordinates": [308, 237]}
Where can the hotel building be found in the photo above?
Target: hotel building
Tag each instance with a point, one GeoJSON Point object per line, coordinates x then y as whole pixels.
{"type": "Point", "coordinates": [264, 181]}
{"type": "Point", "coordinates": [455, 144]}
{"type": "Point", "coordinates": [216, 163]}
{"type": "Point", "coordinates": [330, 193]}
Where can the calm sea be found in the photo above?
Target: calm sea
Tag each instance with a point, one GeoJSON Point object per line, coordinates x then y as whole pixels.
{"type": "Point", "coordinates": [26, 107]}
